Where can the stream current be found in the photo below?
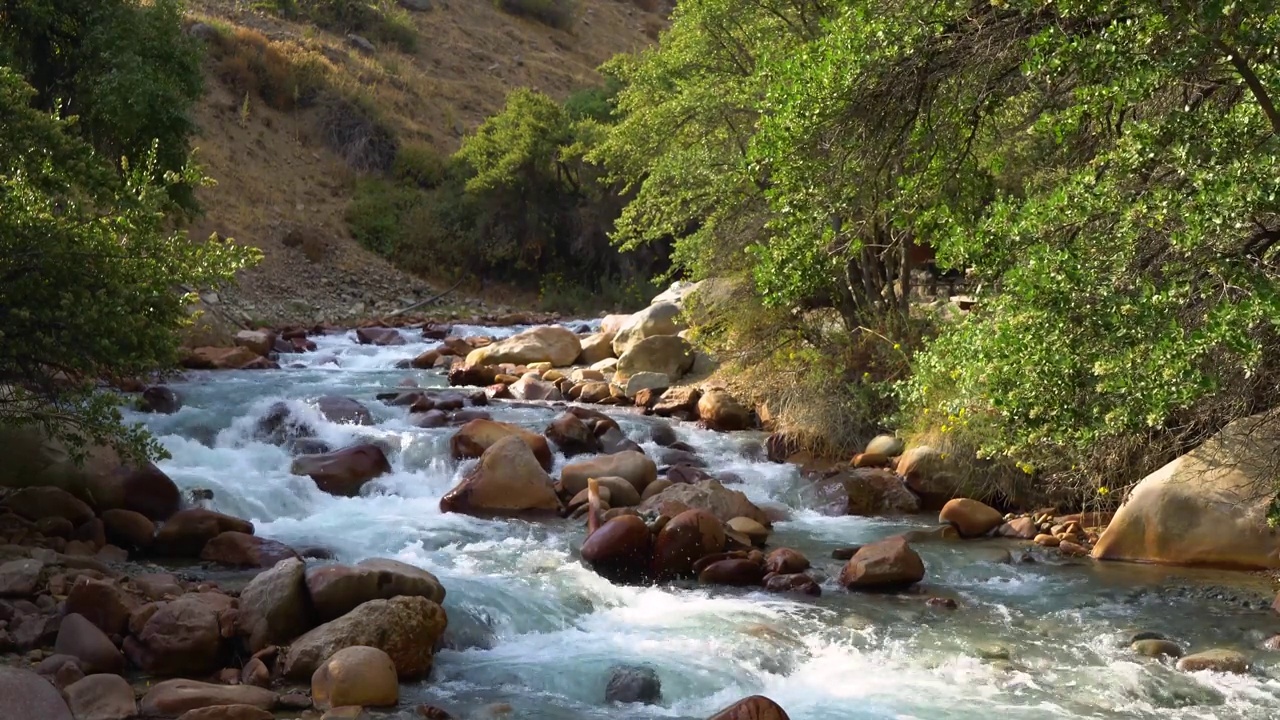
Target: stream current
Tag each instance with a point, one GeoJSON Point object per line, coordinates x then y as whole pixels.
{"type": "Point", "coordinates": [530, 626]}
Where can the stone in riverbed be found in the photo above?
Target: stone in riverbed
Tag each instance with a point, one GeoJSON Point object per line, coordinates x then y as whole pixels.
{"type": "Point", "coordinates": [227, 712]}
{"type": "Point", "coordinates": [708, 495]}
{"type": "Point", "coordinates": [35, 503]}
{"type": "Point", "coordinates": [660, 320]}
{"type": "Point", "coordinates": [738, 572]}
{"type": "Point", "coordinates": [379, 336]}
{"type": "Point", "coordinates": [20, 578]}
{"type": "Point", "coordinates": [572, 436]}
{"type": "Point", "coordinates": [620, 549]}
{"type": "Point", "coordinates": [1217, 660]}
{"type": "Point", "coordinates": [721, 411]}
{"type": "Point", "coordinates": [792, 583]}
{"type": "Point", "coordinates": [546, 343]}
{"type": "Point", "coordinates": [274, 606]}
{"type": "Point", "coordinates": [183, 636]}
{"type": "Point", "coordinates": [128, 529]}
{"type": "Point", "coordinates": [889, 564]}
{"type": "Point", "coordinates": [633, 684]}
{"type": "Point", "coordinates": [234, 549]}
{"type": "Point", "coordinates": [357, 675]}
{"type": "Point", "coordinates": [1023, 528]}
{"type": "Point", "coordinates": [81, 639]}
{"type": "Point", "coordinates": [595, 348]}
{"type": "Point", "coordinates": [343, 472]}
{"type": "Point", "coordinates": [175, 697]}
{"type": "Point", "coordinates": [25, 695]}
{"type": "Point", "coordinates": [687, 538]}
{"type": "Point", "coordinates": [406, 628]}
{"type": "Point", "coordinates": [476, 437]}
{"type": "Point", "coordinates": [336, 590]}
{"type": "Point", "coordinates": [970, 517]}
{"type": "Point", "coordinates": [101, 697]}
{"type": "Point", "coordinates": [636, 467]}
{"type": "Point", "coordinates": [1157, 648]}
{"type": "Point", "coordinates": [785, 561]}
{"type": "Point", "coordinates": [756, 707]}
{"type": "Point", "coordinates": [508, 481]}
{"type": "Point", "coordinates": [666, 355]}
{"type": "Point", "coordinates": [185, 534]}
{"type": "Point", "coordinates": [873, 491]}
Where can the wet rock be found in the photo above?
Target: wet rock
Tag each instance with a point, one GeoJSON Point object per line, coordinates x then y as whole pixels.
{"type": "Point", "coordinates": [621, 493]}
{"type": "Point", "coordinates": [792, 583]}
{"type": "Point", "coordinates": [101, 697]}
{"type": "Point", "coordinates": [175, 697]}
{"type": "Point", "coordinates": [1157, 648]}
{"type": "Point", "coordinates": [425, 361]}
{"type": "Point", "coordinates": [732, 572]}
{"type": "Point", "coordinates": [102, 603]}
{"type": "Point", "coordinates": [942, 603]}
{"type": "Point", "coordinates": [220, 358]}
{"type": "Point", "coordinates": [379, 336]}
{"type": "Point", "coordinates": [889, 564]}
{"type": "Point", "coordinates": [184, 636]}
{"type": "Point", "coordinates": [344, 410]}
{"type": "Point", "coordinates": [688, 537]}
{"type": "Point", "coordinates": [874, 491]}
{"type": "Point", "coordinates": [547, 343]}
{"type": "Point", "coordinates": [633, 684]}
{"type": "Point", "coordinates": [508, 481]}
{"type": "Point", "coordinates": [756, 707]}
{"type": "Point", "coordinates": [708, 495]}
{"type": "Point", "coordinates": [636, 467]}
{"type": "Point", "coordinates": [993, 652]}
{"type": "Point", "coordinates": [678, 402]}
{"type": "Point", "coordinates": [572, 436]}
{"type": "Point", "coordinates": [845, 553]}
{"type": "Point", "coordinates": [406, 628]}
{"type": "Point", "coordinates": [929, 476]}
{"type": "Point", "coordinates": [595, 348]}
{"type": "Point", "coordinates": [20, 578]}
{"type": "Point", "coordinates": [25, 695]}
{"type": "Point", "coordinates": [660, 320]}
{"type": "Point", "coordinates": [185, 534]}
{"type": "Point", "coordinates": [128, 529]}
{"type": "Point", "coordinates": [227, 712]}
{"type": "Point", "coordinates": [235, 549]}
{"type": "Point", "coordinates": [344, 472]}
{"type": "Point", "coordinates": [477, 436]}
{"type": "Point", "coordinates": [398, 578]}
{"type": "Point", "coordinates": [1217, 660]}
{"type": "Point", "coordinates": [665, 355]}
{"type": "Point", "coordinates": [1023, 528]}
{"type": "Point", "coordinates": [160, 400]}
{"type": "Point", "coordinates": [531, 387]}
{"type": "Point", "coordinates": [1072, 549]}
{"type": "Point", "coordinates": [356, 675]}
{"type": "Point", "coordinates": [255, 673]}
{"type": "Point", "coordinates": [663, 434]}
{"type": "Point", "coordinates": [721, 411]}
{"type": "Point", "coordinates": [970, 517]}
{"type": "Point", "coordinates": [281, 426]}
{"type": "Point", "coordinates": [82, 640]}
{"type": "Point", "coordinates": [34, 503]}
{"type": "Point", "coordinates": [1046, 540]}
{"type": "Point", "coordinates": [620, 549]}
{"type": "Point", "coordinates": [756, 533]}
{"type": "Point", "coordinates": [785, 561]}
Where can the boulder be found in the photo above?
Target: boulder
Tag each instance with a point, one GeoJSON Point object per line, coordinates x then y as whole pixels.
{"type": "Point", "coordinates": [885, 446]}
{"type": "Point", "coordinates": [35, 503]}
{"type": "Point", "coordinates": [721, 411]}
{"type": "Point", "coordinates": [1216, 660]}
{"type": "Point", "coordinates": [185, 534]}
{"type": "Point", "coordinates": [405, 628]}
{"type": "Point", "coordinates": [660, 320]}
{"type": "Point", "coordinates": [889, 564]}
{"type": "Point", "coordinates": [343, 472]}
{"type": "Point", "coordinates": [655, 383]}
{"type": "Point", "coordinates": [750, 529]}
{"type": "Point", "coordinates": [356, 675]}
{"type": "Point", "coordinates": [756, 707]}
{"type": "Point", "coordinates": [25, 695]}
{"type": "Point", "coordinates": [228, 712]}
{"type": "Point", "coordinates": [572, 436]}
{"type": "Point", "coordinates": [20, 578]}
{"type": "Point", "coordinates": [785, 561]}
{"type": "Point", "coordinates": [101, 697]}
{"type": "Point", "coordinates": [379, 336]}
{"type": "Point", "coordinates": [477, 436]}
{"type": "Point", "coordinates": [621, 492]}
{"type": "Point", "coordinates": [160, 400]}
{"type": "Point", "coordinates": [678, 402]}
{"type": "Point", "coordinates": [687, 538]}
{"type": "Point", "coordinates": [595, 348]}
{"type": "Point", "coordinates": [175, 697]}
{"type": "Point", "coordinates": [1206, 508]}
{"type": "Point", "coordinates": [531, 387]}
{"type": "Point", "coordinates": [82, 640]}
{"type": "Point", "coordinates": [261, 342]}
{"type": "Point", "coordinates": [929, 476]}
{"type": "Point", "coordinates": [874, 492]}
{"type": "Point", "coordinates": [275, 607]}
{"type": "Point", "coordinates": [971, 518]}
{"type": "Point", "coordinates": [663, 354]}
{"type": "Point", "coordinates": [633, 684]}
{"type": "Point", "coordinates": [128, 529]}
{"type": "Point", "coordinates": [184, 636]}
{"type": "Point", "coordinates": [508, 481]}
{"type": "Point", "coordinates": [708, 495]}
{"type": "Point", "coordinates": [632, 465]}
{"type": "Point", "coordinates": [1023, 528]}
{"type": "Point", "coordinates": [1156, 648]}
{"type": "Point", "coordinates": [101, 602]}
{"type": "Point", "coordinates": [546, 343]}
{"type": "Point", "coordinates": [219, 358]}
{"type": "Point", "coordinates": [793, 583]}
{"type": "Point", "coordinates": [734, 572]}
{"type": "Point", "coordinates": [344, 410]}
{"type": "Point", "coordinates": [620, 549]}
{"type": "Point", "coordinates": [236, 549]}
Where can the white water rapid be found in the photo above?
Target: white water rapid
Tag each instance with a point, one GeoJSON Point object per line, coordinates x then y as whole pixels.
{"type": "Point", "coordinates": [529, 625]}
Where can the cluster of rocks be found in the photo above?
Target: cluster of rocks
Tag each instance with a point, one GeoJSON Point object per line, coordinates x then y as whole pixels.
{"type": "Point", "coordinates": [1158, 646]}
{"type": "Point", "coordinates": [252, 350]}
{"type": "Point", "coordinates": [1073, 535]}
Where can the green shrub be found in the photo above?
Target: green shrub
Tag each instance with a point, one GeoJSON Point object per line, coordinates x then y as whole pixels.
{"type": "Point", "coordinates": [556, 13]}
{"type": "Point", "coordinates": [419, 164]}
{"type": "Point", "coordinates": [377, 214]}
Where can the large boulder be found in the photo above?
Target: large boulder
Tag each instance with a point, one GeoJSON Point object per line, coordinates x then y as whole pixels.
{"type": "Point", "coordinates": [721, 411]}
{"type": "Point", "coordinates": [572, 436]}
{"type": "Point", "coordinates": [930, 476]}
{"type": "Point", "coordinates": [344, 410]}
{"type": "Point", "coordinates": [508, 481]}
{"type": "Point", "coordinates": [261, 342]}
{"type": "Point", "coordinates": [638, 469]}
{"type": "Point", "coordinates": [82, 640]}
{"type": "Point", "coordinates": [343, 472]}
{"type": "Point", "coordinates": [667, 355]}
{"type": "Point", "coordinates": [128, 529]}
{"type": "Point", "coordinates": [686, 539]}
{"type": "Point", "coordinates": [101, 602]}
{"type": "Point", "coordinates": [971, 518]}
{"type": "Point", "coordinates": [621, 549]}
{"type": "Point", "coordinates": [185, 534]}
{"type": "Point", "coordinates": [676, 293]}
{"type": "Point", "coordinates": [1208, 507]}
{"type": "Point", "coordinates": [356, 676]}
{"type": "Point", "coordinates": [25, 695]}
{"type": "Point", "coordinates": [219, 358]}
{"type": "Point", "coordinates": [101, 697]}
{"type": "Point", "coordinates": [873, 491]}
{"type": "Point", "coordinates": [678, 402]}
{"type": "Point", "coordinates": [658, 320]}
{"type": "Point", "coordinates": [405, 628]}
{"type": "Point", "coordinates": [596, 348]}
{"type": "Point", "coordinates": [708, 495]}
{"type": "Point", "coordinates": [756, 707]}
{"type": "Point", "coordinates": [546, 343]}
{"type": "Point", "coordinates": [36, 503]}
{"type": "Point", "coordinates": [274, 606]}
{"type": "Point", "coordinates": [175, 697]}
{"type": "Point", "coordinates": [239, 550]}
{"type": "Point", "coordinates": [477, 436]}
{"type": "Point", "coordinates": [184, 636]}
{"type": "Point", "coordinates": [379, 336]}
{"type": "Point", "coordinates": [889, 564]}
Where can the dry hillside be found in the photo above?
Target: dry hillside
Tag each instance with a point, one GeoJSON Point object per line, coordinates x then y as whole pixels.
{"type": "Point", "coordinates": [281, 186]}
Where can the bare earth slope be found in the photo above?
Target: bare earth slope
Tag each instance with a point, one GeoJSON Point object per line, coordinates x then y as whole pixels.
{"type": "Point", "coordinates": [280, 188]}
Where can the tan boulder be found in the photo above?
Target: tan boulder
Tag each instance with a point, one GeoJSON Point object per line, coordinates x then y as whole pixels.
{"type": "Point", "coordinates": [929, 475]}
{"type": "Point", "coordinates": [885, 445]}
{"type": "Point", "coordinates": [663, 354]}
{"type": "Point", "coordinates": [611, 324]}
{"type": "Point", "coordinates": [1207, 508]}
{"type": "Point", "coordinates": [970, 517]}
{"type": "Point", "coordinates": [708, 495]}
{"type": "Point", "coordinates": [636, 467]}
{"type": "Point", "coordinates": [752, 529]}
{"type": "Point", "coordinates": [508, 481]}
{"type": "Point", "coordinates": [889, 564]}
{"type": "Point", "coordinates": [872, 491]}
{"type": "Point", "coordinates": [596, 348]}
{"type": "Point", "coordinates": [678, 402]}
{"type": "Point", "coordinates": [343, 472]}
{"type": "Point", "coordinates": [175, 697]}
{"type": "Point", "coordinates": [477, 436]}
{"type": "Point", "coordinates": [219, 358]}
{"type": "Point", "coordinates": [1216, 660]}
{"type": "Point", "coordinates": [545, 343]}
{"type": "Point", "coordinates": [261, 342]}
{"type": "Point", "coordinates": [275, 607]}
{"type": "Point", "coordinates": [405, 628]}
{"type": "Point", "coordinates": [659, 320]}
{"type": "Point", "coordinates": [356, 675]}
{"type": "Point", "coordinates": [721, 411]}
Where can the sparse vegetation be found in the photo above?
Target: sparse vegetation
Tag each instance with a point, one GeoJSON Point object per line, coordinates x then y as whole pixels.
{"type": "Point", "coordinates": [284, 75]}
{"type": "Point", "coordinates": [559, 14]}
{"type": "Point", "coordinates": [380, 20]}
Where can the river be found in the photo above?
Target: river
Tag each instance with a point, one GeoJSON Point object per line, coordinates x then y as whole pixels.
{"type": "Point", "coordinates": [530, 626]}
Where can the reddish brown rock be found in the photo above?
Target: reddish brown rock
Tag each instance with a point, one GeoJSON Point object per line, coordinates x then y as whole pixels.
{"type": "Point", "coordinates": [785, 561]}
{"type": "Point", "coordinates": [172, 698]}
{"type": "Point", "coordinates": [228, 712]}
{"type": "Point", "coordinates": [875, 491]}
{"type": "Point", "coordinates": [343, 472]}
{"type": "Point", "coordinates": [477, 436]}
{"type": "Point", "coordinates": [508, 481]}
{"type": "Point", "coordinates": [25, 695]}
{"type": "Point", "coordinates": [572, 436]}
{"type": "Point", "coordinates": [185, 534]}
{"type": "Point", "coordinates": [379, 336]}
{"type": "Point", "coordinates": [970, 517]}
{"type": "Point", "coordinates": [101, 697]}
{"type": "Point", "coordinates": [34, 503]}
{"type": "Point", "coordinates": [275, 606]}
{"type": "Point", "coordinates": [793, 583]}
{"type": "Point", "coordinates": [889, 564]}
{"type": "Point", "coordinates": [732, 572]}
{"type": "Point", "coordinates": [235, 549]}
{"type": "Point", "coordinates": [220, 358]}
{"type": "Point", "coordinates": [185, 636]}
{"type": "Point", "coordinates": [82, 640]}
{"type": "Point", "coordinates": [679, 402]}
{"type": "Point", "coordinates": [102, 603]}
{"type": "Point", "coordinates": [684, 540]}
{"type": "Point", "coordinates": [128, 529]}
{"type": "Point", "coordinates": [1023, 528]}
{"type": "Point", "coordinates": [756, 707]}
{"type": "Point", "coordinates": [621, 549]}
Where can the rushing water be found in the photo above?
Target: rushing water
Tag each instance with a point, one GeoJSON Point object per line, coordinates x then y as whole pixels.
{"type": "Point", "coordinates": [529, 625]}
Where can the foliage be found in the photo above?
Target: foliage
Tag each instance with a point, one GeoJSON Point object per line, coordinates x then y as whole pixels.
{"type": "Point", "coordinates": [555, 13]}
{"type": "Point", "coordinates": [89, 273]}
{"type": "Point", "coordinates": [283, 75]}
{"type": "Point", "coordinates": [419, 164]}
{"type": "Point", "coordinates": [381, 20]}
{"type": "Point", "coordinates": [123, 68]}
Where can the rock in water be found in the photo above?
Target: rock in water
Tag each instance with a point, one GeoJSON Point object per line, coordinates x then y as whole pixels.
{"type": "Point", "coordinates": [889, 564]}
{"type": "Point", "coordinates": [234, 549]}
{"type": "Point", "coordinates": [1208, 507]}
{"type": "Point", "coordinates": [547, 343]}
{"type": "Point", "coordinates": [508, 481]}
{"type": "Point", "coordinates": [666, 355]}
{"type": "Point", "coordinates": [572, 435]}
{"type": "Point", "coordinates": [343, 472]}
{"type": "Point", "coordinates": [405, 628]}
{"type": "Point", "coordinates": [357, 675]}
{"type": "Point", "coordinates": [633, 465]}
{"type": "Point", "coordinates": [175, 697]}
{"type": "Point", "coordinates": [633, 684]}
{"type": "Point", "coordinates": [620, 550]}
{"type": "Point", "coordinates": [687, 538]}
{"type": "Point", "coordinates": [970, 517]}
{"type": "Point", "coordinates": [1217, 660]}
{"type": "Point", "coordinates": [721, 411]}
{"type": "Point", "coordinates": [756, 707]}
{"type": "Point", "coordinates": [708, 495]}
{"type": "Point", "coordinates": [477, 436]}
{"type": "Point", "coordinates": [873, 491]}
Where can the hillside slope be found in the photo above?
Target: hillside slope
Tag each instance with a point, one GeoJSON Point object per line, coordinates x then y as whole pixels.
{"type": "Point", "coordinates": [282, 188]}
